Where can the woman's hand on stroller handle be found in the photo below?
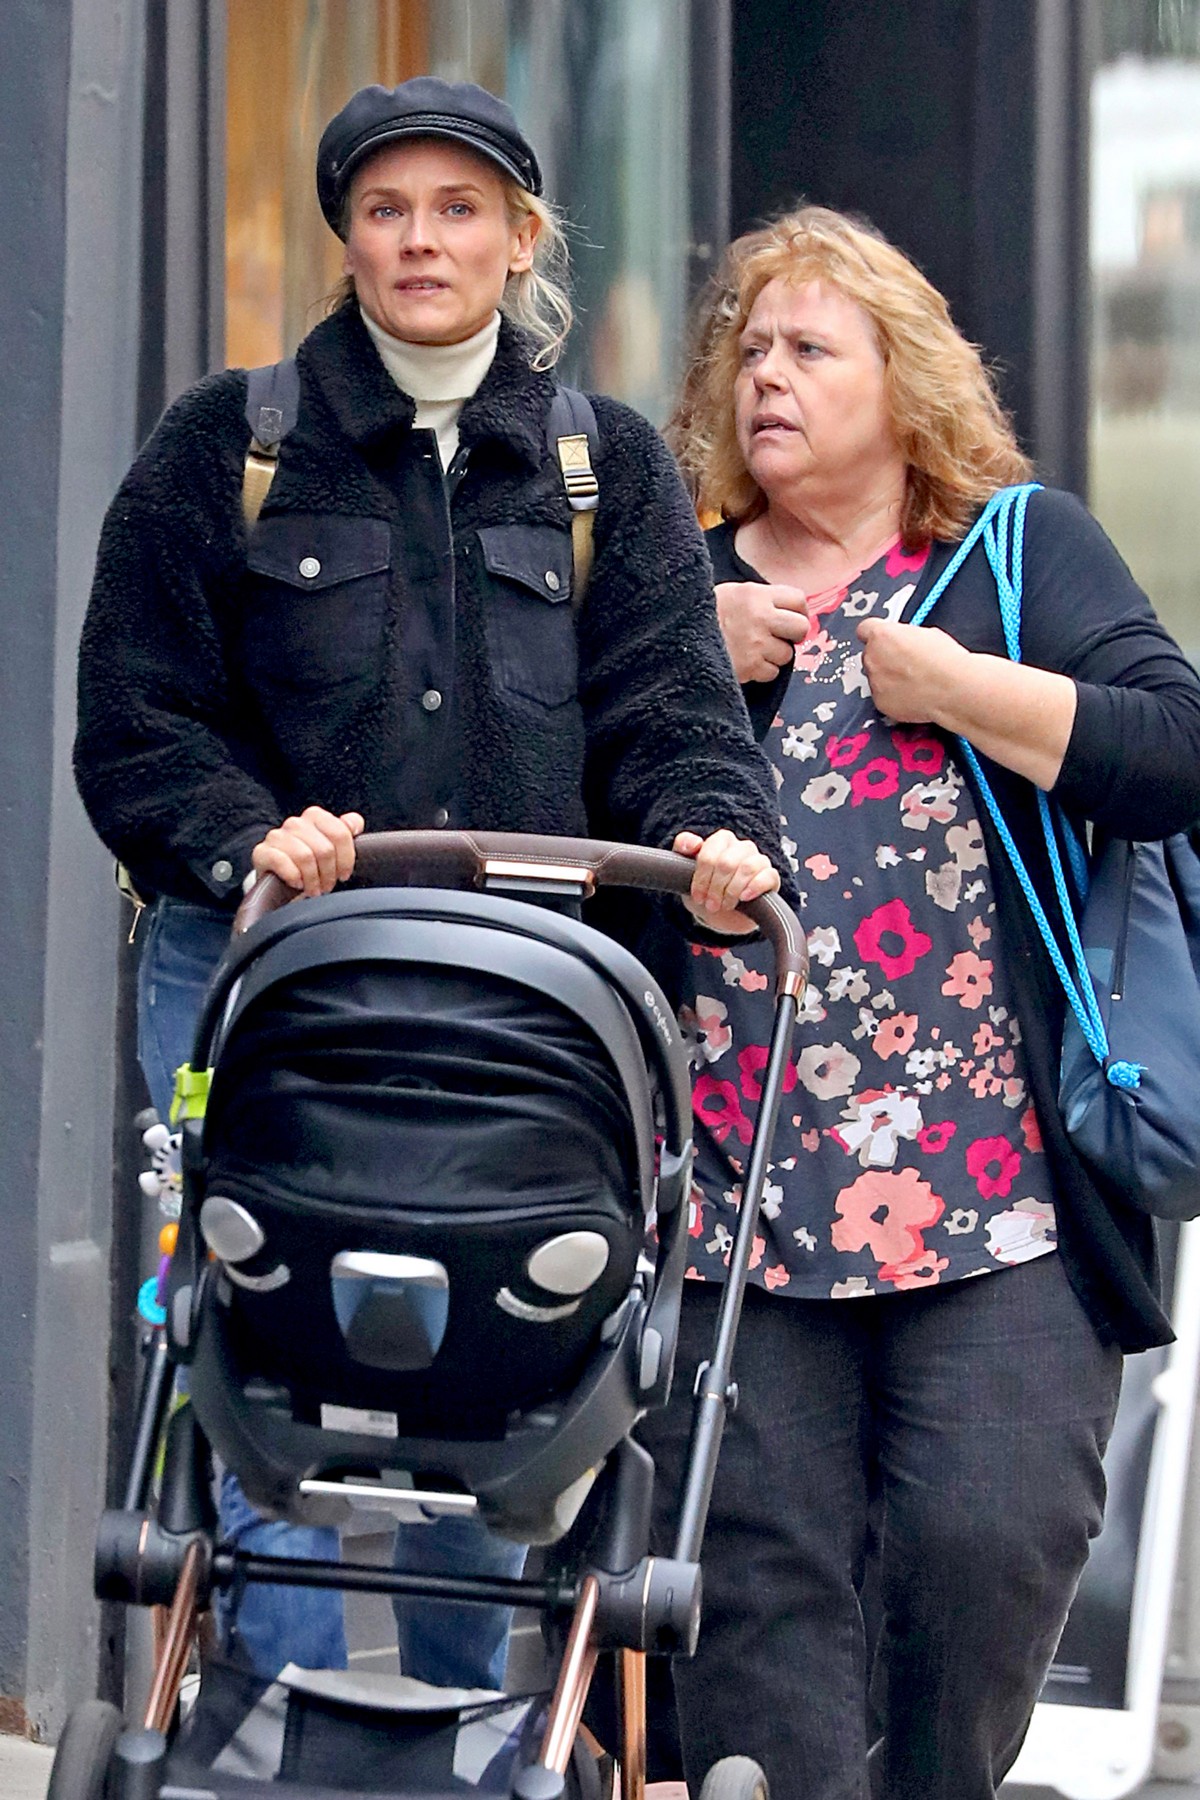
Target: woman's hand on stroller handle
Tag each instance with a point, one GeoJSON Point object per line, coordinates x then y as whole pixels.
{"type": "Point", "coordinates": [466, 859]}
{"type": "Point", "coordinates": [310, 852]}
{"type": "Point", "coordinates": [728, 873]}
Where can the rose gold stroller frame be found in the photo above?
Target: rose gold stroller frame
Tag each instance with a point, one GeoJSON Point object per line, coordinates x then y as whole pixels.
{"type": "Point", "coordinates": [517, 865]}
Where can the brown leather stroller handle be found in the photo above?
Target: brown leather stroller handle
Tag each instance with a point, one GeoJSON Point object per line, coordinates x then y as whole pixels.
{"type": "Point", "coordinates": [467, 858]}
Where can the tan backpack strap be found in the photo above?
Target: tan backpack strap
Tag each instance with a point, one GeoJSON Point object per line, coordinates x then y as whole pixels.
{"type": "Point", "coordinates": [272, 403]}
{"type": "Point", "coordinates": [583, 495]}
{"type": "Point", "coordinates": [572, 435]}
{"type": "Point", "coordinates": [257, 476]}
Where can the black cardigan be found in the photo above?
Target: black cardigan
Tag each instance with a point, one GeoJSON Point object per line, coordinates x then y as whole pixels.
{"type": "Point", "coordinates": [1132, 768]}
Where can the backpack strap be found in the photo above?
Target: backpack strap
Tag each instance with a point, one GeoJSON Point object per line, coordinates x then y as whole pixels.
{"type": "Point", "coordinates": [272, 405]}
{"type": "Point", "coordinates": [574, 440]}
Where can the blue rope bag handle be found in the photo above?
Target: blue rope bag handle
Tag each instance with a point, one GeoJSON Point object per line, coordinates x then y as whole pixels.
{"type": "Point", "coordinates": [1001, 527]}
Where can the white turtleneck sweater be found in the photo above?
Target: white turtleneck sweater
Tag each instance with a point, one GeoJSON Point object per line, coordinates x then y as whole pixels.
{"type": "Point", "coordinates": [440, 377]}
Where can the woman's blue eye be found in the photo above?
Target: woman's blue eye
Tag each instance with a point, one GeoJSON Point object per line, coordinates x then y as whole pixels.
{"type": "Point", "coordinates": [459, 209]}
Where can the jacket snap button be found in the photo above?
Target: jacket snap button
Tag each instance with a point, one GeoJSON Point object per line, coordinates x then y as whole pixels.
{"type": "Point", "coordinates": [431, 700]}
{"type": "Point", "coordinates": [222, 869]}
{"type": "Point", "coordinates": [441, 817]}
{"type": "Point", "coordinates": [310, 568]}
{"type": "Point", "coordinates": [552, 581]}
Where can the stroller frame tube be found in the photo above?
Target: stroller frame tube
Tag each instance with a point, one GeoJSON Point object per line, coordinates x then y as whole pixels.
{"type": "Point", "coordinates": [716, 1393]}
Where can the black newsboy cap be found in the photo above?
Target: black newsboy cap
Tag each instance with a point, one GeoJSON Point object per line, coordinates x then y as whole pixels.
{"type": "Point", "coordinates": [422, 107]}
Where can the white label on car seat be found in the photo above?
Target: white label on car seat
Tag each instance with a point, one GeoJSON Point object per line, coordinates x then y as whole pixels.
{"type": "Point", "coordinates": [362, 1422]}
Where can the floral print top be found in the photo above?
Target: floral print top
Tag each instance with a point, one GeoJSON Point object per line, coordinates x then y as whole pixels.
{"type": "Point", "coordinates": [908, 1150]}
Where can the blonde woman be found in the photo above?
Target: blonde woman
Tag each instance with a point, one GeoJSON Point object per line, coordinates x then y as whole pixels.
{"type": "Point", "coordinates": [397, 643]}
{"type": "Point", "coordinates": [942, 1291]}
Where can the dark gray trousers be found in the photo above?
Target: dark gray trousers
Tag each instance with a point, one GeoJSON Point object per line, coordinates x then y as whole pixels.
{"type": "Point", "coordinates": [957, 1433]}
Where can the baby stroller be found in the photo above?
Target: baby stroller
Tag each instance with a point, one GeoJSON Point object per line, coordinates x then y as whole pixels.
{"type": "Point", "coordinates": [412, 1274]}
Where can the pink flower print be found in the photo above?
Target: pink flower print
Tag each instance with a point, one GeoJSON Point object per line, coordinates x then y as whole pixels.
{"type": "Point", "coordinates": [705, 1028]}
{"type": "Point", "coordinates": [933, 1139]}
{"type": "Point", "coordinates": [895, 1036]}
{"type": "Point", "coordinates": [969, 979]}
{"type": "Point", "coordinates": [1031, 1131]}
{"type": "Point", "coordinates": [923, 1271]}
{"type": "Point", "coordinates": [886, 1214]}
{"type": "Point", "coordinates": [919, 751]}
{"type": "Point", "coordinates": [906, 562]}
{"type": "Point", "coordinates": [824, 792]}
{"type": "Point", "coordinates": [811, 1141]}
{"type": "Point", "coordinates": [978, 932]}
{"type": "Point", "coordinates": [1014, 1092]}
{"type": "Point", "coordinates": [985, 1083]}
{"type": "Point", "coordinates": [965, 844]}
{"type": "Point", "coordinates": [736, 974]}
{"type": "Point", "coordinates": [717, 1105]}
{"type": "Point", "coordinates": [820, 867]}
{"type": "Point", "coordinates": [812, 653]}
{"type": "Point", "coordinates": [928, 800]}
{"type": "Point", "coordinates": [893, 921]}
{"type": "Point", "coordinates": [753, 1059]}
{"type": "Point", "coordinates": [827, 1071]}
{"type": "Point", "coordinates": [985, 1039]}
{"type": "Point", "coordinates": [1007, 1062]}
{"type": "Point", "coordinates": [874, 1123]}
{"type": "Point", "coordinates": [756, 1253]}
{"type": "Point", "coordinates": [876, 780]}
{"type": "Point", "coordinates": [842, 751]}
{"type": "Point", "coordinates": [993, 1165]}
{"type": "Point", "coordinates": [776, 1277]}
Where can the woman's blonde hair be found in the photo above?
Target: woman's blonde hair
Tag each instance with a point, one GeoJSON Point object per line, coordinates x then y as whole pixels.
{"type": "Point", "coordinates": [538, 299]}
{"type": "Point", "coordinates": [958, 443]}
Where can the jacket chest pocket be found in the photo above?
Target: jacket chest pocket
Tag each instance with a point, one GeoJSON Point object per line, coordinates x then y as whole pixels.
{"type": "Point", "coordinates": [315, 600]}
{"type": "Point", "coordinates": [531, 629]}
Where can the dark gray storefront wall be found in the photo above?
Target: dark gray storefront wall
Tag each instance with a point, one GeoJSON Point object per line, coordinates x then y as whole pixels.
{"type": "Point", "coordinates": [70, 128]}
{"type": "Point", "coordinates": [959, 128]}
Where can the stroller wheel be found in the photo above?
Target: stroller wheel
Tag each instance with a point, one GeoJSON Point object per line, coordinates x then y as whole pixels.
{"type": "Point", "coordinates": [84, 1755]}
{"type": "Point", "coordinates": [735, 1778]}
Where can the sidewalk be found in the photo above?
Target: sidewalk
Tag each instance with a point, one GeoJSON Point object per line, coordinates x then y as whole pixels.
{"type": "Point", "coordinates": [24, 1769]}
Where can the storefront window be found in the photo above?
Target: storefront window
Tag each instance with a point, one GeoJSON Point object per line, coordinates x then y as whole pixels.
{"type": "Point", "coordinates": [603, 92]}
{"type": "Point", "coordinates": [1145, 257]}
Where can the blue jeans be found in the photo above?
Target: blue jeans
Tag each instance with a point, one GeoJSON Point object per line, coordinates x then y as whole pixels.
{"type": "Point", "coordinates": [448, 1645]}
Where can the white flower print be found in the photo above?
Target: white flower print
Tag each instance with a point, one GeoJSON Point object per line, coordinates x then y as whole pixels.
{"type": "Point", "coordinates": [805, 1239]}
{"type": "Point", "coordinates": [962, 1220]}
{"type": "Point", "coordinates": [922, 1063]}
{"type": "Point", "coordinates": [801, 741]}
{"type": "Point", "coordinates": [824, 792]}
{"type": "Point", "coordinates": [852, 677]}
{"type": "Point", "coordinates": [886, 856]}
{"type": "Point", "coordinates": [772, 1200]}
{"type": "Point", "coordinates": [825, 711]}
{"type": "Point", "coordinates": [827, 1071]}
{"type": "Point", "coordinates": [1022, 1232]}
{"type": "Point", "coordinates": [965, 844]}
{"type": "Point", "coordinates": [704, 1029]}
{"type": "Point", "coordinates": [721, 1241]}
{"type": "Point", "coordinates": [874, 1128]}
{"type": "Point", "coordinates": [895, 606]}
{"type": "Point", "coordinates": [852, 1288]}
{"type": "Point", "coordinates": [812, 1009]}
{"type": "Point", "coordinates": [789, 850]}
{"type": "Point", "coordinates": [867, 1025]}
{"type": "Point", "coordinates": [848, 984]}
{"type": "Point", "coordinates": [928, 800]}
{"type": "Point", "coordinates": [944, 885]}
{"type": "Point", "coordinates": [824, 944]}
{"type": "Point", "coordinates": [858, 604]}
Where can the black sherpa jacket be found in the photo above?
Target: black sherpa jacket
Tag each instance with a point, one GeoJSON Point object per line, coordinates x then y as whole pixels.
{"type": "Point", "coordinates": [396, 644]}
